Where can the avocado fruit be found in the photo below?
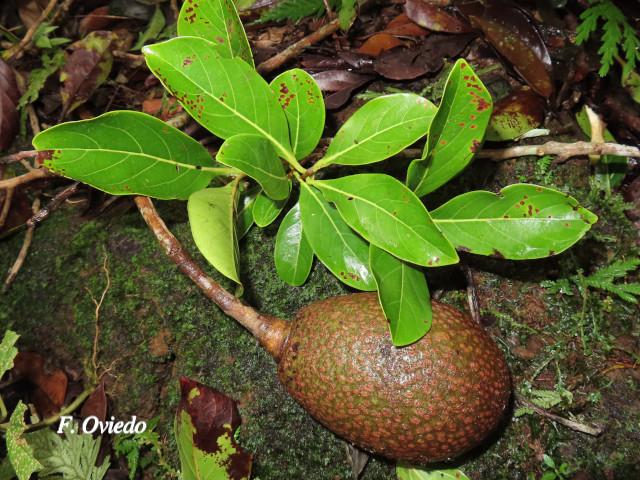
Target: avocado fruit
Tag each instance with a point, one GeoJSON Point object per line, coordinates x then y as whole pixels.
{"type": "Point", "coordinates": [427, 402]}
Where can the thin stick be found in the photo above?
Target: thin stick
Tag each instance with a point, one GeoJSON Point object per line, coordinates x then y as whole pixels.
{"type": "Point", "coordinates": [53, 205]}
{"type": "Point", "coordinates": [472, 295]}
{"type": "Point", "coordinates": [26, 178]}
{"type": "Point", "coordinates": [573, 425]}
{"type": "Point", "coordinates": [6, 205]}
{"type": "Point", "coordinates": [270, 331]}
{"type": "Point", "coordinates": [564, 150]}
{"type": "Point", "coordinates": [18, 156]}
{"type": "Point", "coordinates": [22, 255]}
{"type": "Point", "coordinates": [294, 50]}
{"type": "Point", "coordinates": [26, 40]}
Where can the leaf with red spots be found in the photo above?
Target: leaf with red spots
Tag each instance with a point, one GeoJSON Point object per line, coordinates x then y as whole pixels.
{"type": "Point", "coordinates": [403, 295]}
{"type": "Point", "coordinates": [434, 18]}
{"type": "Point", "coordinates": [456, 132]}
{"type": "Point", "coordinates": [301, 99]}
{"type": "Point", "coordinates": [127, 153]}
{"type": "Point", "coordinates": [85, 69]}
{"type": "Point", "coordinates": [204, 430]}
{"type": "Point", "coordinates": [522, 222]}
{"type": "Point", "coordinates": [218, 22]}
{"type": "Point", "coordinates": [514, 35]}
{"type": "Point", "coordinates": [9, 96]}
{"type": "Point", "coordinates": [517, 113]}
{"type": "Point", "coordinates": [381, 128]}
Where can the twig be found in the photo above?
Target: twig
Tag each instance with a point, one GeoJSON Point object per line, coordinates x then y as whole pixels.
{"type": "Point", "coordinates": [22, 255]}
{"type": "Point", "coordinates": [14, 51]}
{"type": "Point", "coordinates": [6, 205]}
{"type": "Point", "coordinates": [98, 304]}
{"type": "Point", "coordinates": [270, 331]}
{"type": "Point", "coordinates": [472, 295]}
{"type": "Point", "coordinates": [564, 150]}
{"type": "Point", "coordinates": [53, 205]}
{"type": "Point", "coordinates": [18, 156]}
{"type": "Point", "coordinates": [131, 57]}
{"type": "Point", "coordinates": [294, 50]}
{"type": "Point", "coordinates": [25, 178]}
{"type": "Point", "coordinates": [573, 425]}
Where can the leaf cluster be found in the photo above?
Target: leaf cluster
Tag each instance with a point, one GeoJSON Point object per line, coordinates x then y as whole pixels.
{"type": "Point", "coordinates": [371, 230]}
{"type": "Point", "coordinates": [618, 36]}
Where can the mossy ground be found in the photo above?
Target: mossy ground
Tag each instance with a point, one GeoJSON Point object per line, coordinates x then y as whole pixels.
{"type": "Point", "coordinates": [155, 326]}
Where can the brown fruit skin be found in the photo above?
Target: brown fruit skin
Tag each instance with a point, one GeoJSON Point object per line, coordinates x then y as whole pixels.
{"type": "Point", "coordinates": [427, 402]}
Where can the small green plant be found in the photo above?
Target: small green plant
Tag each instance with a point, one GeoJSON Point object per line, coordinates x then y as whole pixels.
{"type": "Point", "coordinates": [553, 471]}
{"type": "Point", "coordinates": [133, 446]}
{"type": "Point", "coordinates": [371, 230]}
{"type": "Point", "coordinates": [298, 9]}
{"type": "Point", "coordinates": [618, 36]}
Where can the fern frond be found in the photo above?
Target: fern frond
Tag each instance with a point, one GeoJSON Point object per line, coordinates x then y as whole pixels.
{"type": "Point", "coordinates": [618, 35]}
{"type": "Point", "coordinates": [604, 278]}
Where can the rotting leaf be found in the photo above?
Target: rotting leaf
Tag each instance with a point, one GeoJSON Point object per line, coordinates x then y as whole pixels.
{"type": "Point", "coordinates": [408, 64]}
{"type": "Point", "coordinates": [85, 69]}
{"type": "Point", "coordinates": [404, 27]}
{"type": "Point", "coordinates": [514, 35]}
{"type": "Point", "coordinates": [517, 113]}
{"type": "Point", "coordinates": [342, 83]}
{"type": "Point", "coordinates": [378, 43]}
{"type": "Point", "coordinates": [96, 404]}
{"type": "Point", "coordinates": [50, 385]}
{"type": "Point", "coordinates": [204, 429]}
{"type": "Point", "coordinates": [434, 18]}
{"type": "Point", "coordinates": [97, 19]}
{"type": "Point", "coordinates": [9, 96]}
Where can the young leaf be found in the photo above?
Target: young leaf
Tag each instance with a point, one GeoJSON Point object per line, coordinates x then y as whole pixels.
{"type": "Point", "coordinates": [7, 352]}
{"type": "Point", "coordinates": [390, 216]}
{"type": "Point", "coordinates": [204, 429]}
{"type": "Point", "coordinates": [244, 216]}
{"type": "Point", "coordinates": [218, 22]}
{"type": "Point", "coordinates": [409, 473]}
{"type": "Point", "coordinates": [19, 451]}
{"type": "Point", "coordinates": [126, 153]}
{"type": "Point", "coordinates": [455, 133]}
{"type": "Point", "coordinates": [522, 222]}
{"type": "Point", "coordinates": [403, 295]}
{"type": "Point", "coordinates": [156, 24]}
{"type": "Point", "coordinates": [302, 101]}
{"type": "Point", "coordinates": [212, 220]}
{"type": "Point", "coordinates": [292, 253]}
{"type": "Point", "coordinates": [265, 210]}
{"type": "Point", "coordinates": [255, 156]}
{"type": "Point", "coordinates": [381, 128]}
{"type": "Point", "coordinates": [225, 95]}
{"type": "Point", "coordinates": [343, 252]}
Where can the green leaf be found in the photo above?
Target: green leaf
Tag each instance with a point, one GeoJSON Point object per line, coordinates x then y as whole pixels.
{"type": "Point", "coordinates": [244, 216]}
{"type": "Point", "coordinates": [409, 473]}
{"type": "Point", "coordinates": [381, 128]}
{"type": "Point", "coordinates": [255, 156]}
{"type": "Point", "coordinates": [204, 429]}
{"type": "Point", "coordinates": [403, 295]}
{"type": "Point", "coordinates": [301, 99]}
{"type": "Point", "coordinates": [390, 216]}
{"type": "Point", "coordinates": [212, 220]}
{"type": "Point", "coordinates": [265, 210]}
{"type": "Point", "coordinates": [218, 22]}
{"type": "Point", "coordinates": [72, 457]}
{"type": "Point", "coordinates": [343, 252]}
{"type": "Point", "coordinates": [126, 153]}
{"type": "Point", "coordinates": [7, 352]}
{"type": "Point", "coordinates": [611, 169]}
{"type": "Point", "coordinates": [19, 451]}
{"type": "Point", "coordinates": [455, 134]}
{"type": "Point", "coordinates": [225, 95]}
{"type": "Point", "coordinates": [293, 254]}
{"type": "Point", "coordinates": [156, 24]}
{"type": "Point", "coordinates": [521, 222]}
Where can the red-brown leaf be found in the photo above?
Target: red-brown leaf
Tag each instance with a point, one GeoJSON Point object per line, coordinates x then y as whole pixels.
{"type": "Point", "coordinates": [378, 43]}
{"type": "Point", "coordinates": [434, 18]}
{"type": "Point", "coordinates": [404, 27]}
{"type": "Point", "coordinates": [96, 404]}
{"type": "Point", "coordinates": [51, 386]}
{"type": "Point", "coordinates": [9, 96]}
{"type": "Point", "coordinates": [97, 19]}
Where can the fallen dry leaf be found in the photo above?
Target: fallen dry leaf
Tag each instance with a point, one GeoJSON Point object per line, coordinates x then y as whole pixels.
{"type": "Point", "coordinates": [9, 96]}
{"type": "Point", "coordinates": [402, 26]}
{"type": "Point", "coordinates": [30, 11]}
{"type": "Point", "coordinates": [378, 43]}
{"type": "Point", "coordinates": [97, 19]}
{"type": "Point", "coordinates": [96, 404]}
{"type": "Point", "coordinates": [434, 18]}
{"type": "Point", "coordinates": [50, 386]}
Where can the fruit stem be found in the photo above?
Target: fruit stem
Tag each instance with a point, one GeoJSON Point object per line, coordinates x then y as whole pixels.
{"type": "Point", "coordinates": [271, 332]}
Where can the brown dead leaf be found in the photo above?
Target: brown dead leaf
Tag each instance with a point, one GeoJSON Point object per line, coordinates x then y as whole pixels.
{"type": "Point", "coordinates": [342, 83]}
{"type": "Point", "coordinates": [434, 18]}
{"type": "Point", "coordinates": [378, 43]}
{"type": "Point", "coordinates": [98, 19]}
{"type": "Point", "coordinates": [402, 26]}
{"type": "Point", "coordinates": [19, 212]}
{"type": "Point", "coordinates": [96, 404]}
{"type": "Point", "coordinates": [30, 11]}
{"type": "Point", "coordinates": [9, 96]}
{"type": "Point", "coordinates": [50, 386]}
{"type": "Point", "coordinates": [86, 68]}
